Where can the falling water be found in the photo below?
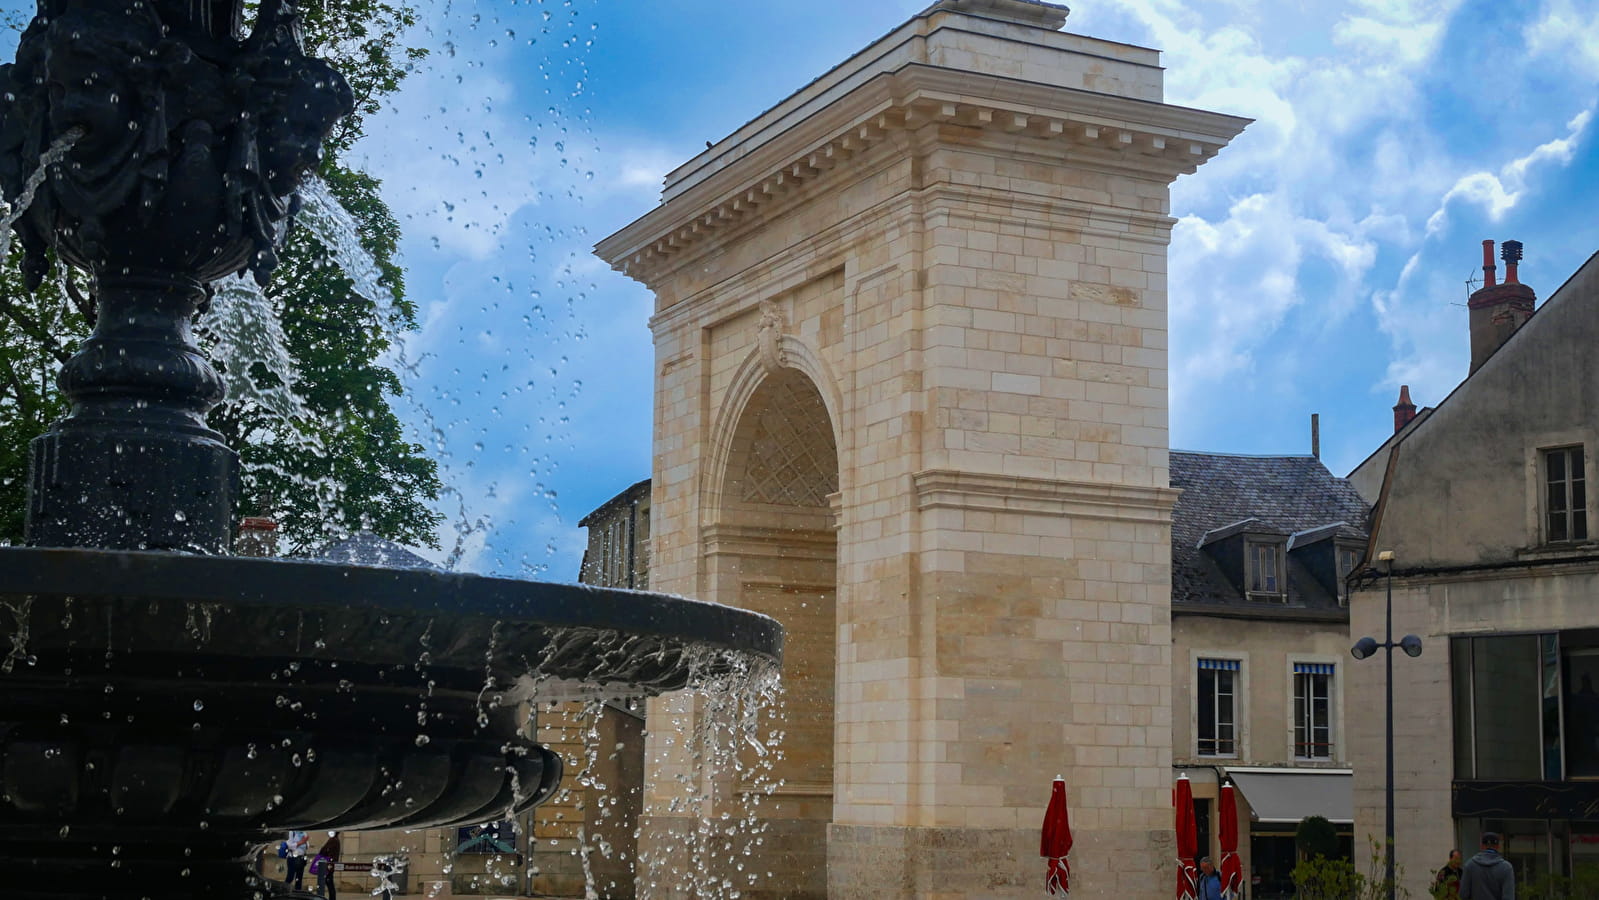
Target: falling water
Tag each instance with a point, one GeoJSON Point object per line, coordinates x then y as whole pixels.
{"type": "Point", "coordinates": [327, 219]}
{"type": "Point", "coordinates": [12, 210]}
{"type": "Point", "coordinates": [333, 225]}
{"type": "Point", "coordinates": [20, 608]}
{"type": "Point", "coordinates": [247, 337]}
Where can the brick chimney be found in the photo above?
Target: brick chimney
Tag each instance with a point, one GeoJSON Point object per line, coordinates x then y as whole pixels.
{"type": "Point", "coordinates": [1404, 410]}
{"type": "Point", "coordinates": [1497, 310]}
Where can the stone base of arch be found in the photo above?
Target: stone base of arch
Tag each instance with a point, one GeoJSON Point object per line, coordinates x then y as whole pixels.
{"type": "Point", "coordinates": [869, 862]}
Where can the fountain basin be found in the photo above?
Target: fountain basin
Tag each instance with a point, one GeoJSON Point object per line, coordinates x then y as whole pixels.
{"type": "Point", "coordinates": [183, 709]}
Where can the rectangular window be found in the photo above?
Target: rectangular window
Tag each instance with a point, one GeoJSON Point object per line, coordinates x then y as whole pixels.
{"type": "Point", "coordinates": [1218, 707]}
{"type": "Point", "coordinates": [1347, 561]}
{"type": "Point", "coordinates": [1565, 495]}
{"type": "Point", "coordinates": [1499, 717]}
{"type": "Point", "coordinates": [1313, 738]}
{"type": "Point", "coordinates": [1265, 568]}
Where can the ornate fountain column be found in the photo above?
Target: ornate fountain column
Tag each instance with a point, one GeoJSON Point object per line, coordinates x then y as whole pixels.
{"type": "Point", "coordinates": [187, 142]}
{"type": "Point", "coordinates": [955, 241]}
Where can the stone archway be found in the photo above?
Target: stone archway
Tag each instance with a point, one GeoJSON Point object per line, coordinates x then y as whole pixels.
{"type": "Point", "coordinates": [770, 547]}
{"type": "Point", "coordinates": [959, 237]}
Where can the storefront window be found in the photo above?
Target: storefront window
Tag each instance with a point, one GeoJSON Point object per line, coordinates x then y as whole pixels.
{"type": "Point", "coordinates": [1582, 710]}
{"type": "Point", "coordinates": [1460, 701]}
{"type": "Point", "coordinates": [1506, 722]}
{"type": "Point", "coordinates": [1549, 687]}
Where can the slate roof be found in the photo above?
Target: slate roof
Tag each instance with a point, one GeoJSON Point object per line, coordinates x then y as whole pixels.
{"type": "Point", "coordinates": [1291, 496]}
{"type": "Point", "coordinates": [367, 549]}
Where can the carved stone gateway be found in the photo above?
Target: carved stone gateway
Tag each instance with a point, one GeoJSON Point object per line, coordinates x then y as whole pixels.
{"type": "Point", "coordinates": [947, 258]}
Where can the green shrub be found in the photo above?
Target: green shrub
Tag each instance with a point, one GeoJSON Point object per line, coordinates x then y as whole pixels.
{"type": "Point", "coordinates": [1316, 837]}
{"type": "Point", "coordinates": [1584, 885]}
{"type": "Point", "coordinates": [1320, 878]}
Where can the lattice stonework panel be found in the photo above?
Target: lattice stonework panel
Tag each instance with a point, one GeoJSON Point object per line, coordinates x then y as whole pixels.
{"type": "Point", "coordinates": [792, 459]}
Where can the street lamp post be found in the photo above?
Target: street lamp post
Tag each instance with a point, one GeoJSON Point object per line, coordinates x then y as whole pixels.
{"type": "Point", "coordinates": [1366, 647]}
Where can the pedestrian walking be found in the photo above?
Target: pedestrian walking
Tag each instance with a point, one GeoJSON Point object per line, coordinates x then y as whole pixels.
{"type": "Point", "coordinates": [1446, 884]}
{"type": "Point", "coordinates": [1209, 881]}
{"type": "Point", "coordinates": [295, 848]}
{"type": "Point", "coordinates": [328, 854]}
{"type": "Point", "coordinates": [1488, 876]}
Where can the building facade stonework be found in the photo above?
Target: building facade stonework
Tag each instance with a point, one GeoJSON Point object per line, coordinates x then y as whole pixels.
{"type": "Point", "coordinates": [911, 399]}
{"type": "Point", "coordinates": [1261, 547]}
{"type": "Point", "coordinates": [1483, 505]}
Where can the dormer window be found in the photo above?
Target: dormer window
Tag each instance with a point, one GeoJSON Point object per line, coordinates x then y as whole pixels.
{"type": "Point", "coordinates": [1348, 559]}
{"type": "Point", "coordinates": [1265, 559]}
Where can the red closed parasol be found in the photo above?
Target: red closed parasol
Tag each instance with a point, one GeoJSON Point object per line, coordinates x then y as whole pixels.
{"type": "Point", "coordinates": [1187, 841]}
{"type": "Point", "coordinates": [1232, 868]}
{"type": "Point", "coordinates": [1056, 841]}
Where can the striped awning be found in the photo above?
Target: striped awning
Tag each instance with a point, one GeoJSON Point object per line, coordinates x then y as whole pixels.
{"type": "Point", "coordinates": [1225, 665]}
{"type": "Point", "coordinates": [1313, 668]}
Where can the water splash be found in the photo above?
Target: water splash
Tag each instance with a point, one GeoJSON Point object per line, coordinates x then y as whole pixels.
{"type": "Point", "coordinates": [727, 753]}
{"type": "Point", "coordinates": [326, 217]}
{"type": "Point", "coordinates": [384, 868]}
{"type": "Point", "coordinates": [20, 608]}
{"type": "Point", "coordinates": [12, 210]}
{"type": "Point", "coordinates": [246, 336]}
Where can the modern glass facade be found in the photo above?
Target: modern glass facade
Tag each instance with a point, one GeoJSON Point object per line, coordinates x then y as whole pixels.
{"type": "Point", "coordinates": [1526, 749]}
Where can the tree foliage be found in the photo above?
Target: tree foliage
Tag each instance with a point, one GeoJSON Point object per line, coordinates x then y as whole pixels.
{"type": "Point", "coordinates": [1315, 837]}
{"type": "Point", "coordinates": [363, 474]}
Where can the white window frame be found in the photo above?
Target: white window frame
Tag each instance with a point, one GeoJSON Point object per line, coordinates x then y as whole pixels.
{"type": "Point", "coordinates": [1335, 710]}
{"type": "Point", "coordinates": [1240, 707]}
{"type": "Point", "coordinates": [1545, 512]}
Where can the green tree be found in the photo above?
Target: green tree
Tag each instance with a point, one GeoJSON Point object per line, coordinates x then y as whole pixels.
{"type": "Point", "coordinates": [347, 465]}
{"type": "Point", "coordinates": [1315, 837]}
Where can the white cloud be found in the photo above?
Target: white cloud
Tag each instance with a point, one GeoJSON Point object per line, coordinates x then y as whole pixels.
{"type": "Point", "coordinates": [1235, 281]}
{"type": "Point", "coordinates": [1568, 33]}
{"type": "Point", "coordinates": [1498, 194]}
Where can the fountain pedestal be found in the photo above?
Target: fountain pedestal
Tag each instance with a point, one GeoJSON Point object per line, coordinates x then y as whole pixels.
{"type": "Point", "coordinates": [164, 715]}
{"type": "Point", "coordinates": [134, 466]}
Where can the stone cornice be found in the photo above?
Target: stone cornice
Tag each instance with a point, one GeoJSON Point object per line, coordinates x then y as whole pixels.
{"type": "Point", "coordinates": [1159, 140]}
{"type": "Point", "coordinates": [964, 202]}
{"type": "Point", "coordinates": [754, 540]}
{"type": "Point", "coordinates": [951, 489]}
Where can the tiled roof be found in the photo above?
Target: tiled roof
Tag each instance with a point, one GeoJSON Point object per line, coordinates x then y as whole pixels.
{"type": "Point", "coordinates": [1287, 495]}
{"type": "Point", "coordinates": [367, 549]}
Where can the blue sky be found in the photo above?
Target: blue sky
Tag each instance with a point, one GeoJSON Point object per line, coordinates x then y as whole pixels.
{"type": "Point", "coordinates": [1318, 263]}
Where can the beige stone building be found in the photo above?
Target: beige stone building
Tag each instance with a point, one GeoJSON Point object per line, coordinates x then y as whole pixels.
{"type": "Point", "coordinates": [911, 399]}
{"type": "Point", "coordinates": [605, 820]}
{"type": "Point", "coordinates": [1483, 504]}
{"type": "Point", "coordinates": [1261, 547]}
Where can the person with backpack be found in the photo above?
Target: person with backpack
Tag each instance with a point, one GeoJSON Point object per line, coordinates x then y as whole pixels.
{"type": "Point", "coordinates": [1488, 876]}
{"type": "Point", "coordinates": [293, 851]}
{"type": "Point", "coordinates": [328, 856]}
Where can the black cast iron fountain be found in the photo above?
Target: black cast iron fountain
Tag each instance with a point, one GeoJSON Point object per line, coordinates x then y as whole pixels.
{"type": "Point", "coordinates": [166, 708]}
